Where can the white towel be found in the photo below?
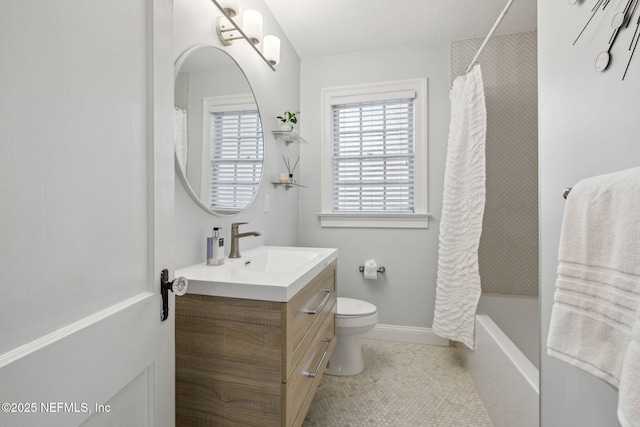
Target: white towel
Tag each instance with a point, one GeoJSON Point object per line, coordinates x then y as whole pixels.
{"type": "Point", "coordinates": [629, 394]}
{"type": "Point", "coordinates": [598, 286]}
{"type": "Point", "coordinates": [458, 279]}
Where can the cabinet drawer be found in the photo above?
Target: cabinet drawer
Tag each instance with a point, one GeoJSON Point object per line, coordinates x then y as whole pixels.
{"type": "Point", "coordinates": [304, 381]}
{"type": "Point", "coordinates": [305, 313]}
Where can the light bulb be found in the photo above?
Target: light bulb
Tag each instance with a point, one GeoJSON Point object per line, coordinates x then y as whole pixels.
{"type": "Point", "coordinates": [271, 49]}
{"type": "Point", "coordinates": [252, 25]}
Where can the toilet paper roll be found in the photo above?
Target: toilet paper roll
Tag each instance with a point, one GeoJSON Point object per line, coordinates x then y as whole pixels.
{"type": "Point", "coordinates": [371, 269]}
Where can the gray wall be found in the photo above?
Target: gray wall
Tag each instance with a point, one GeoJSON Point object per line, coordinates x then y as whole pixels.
{"type": "Point", "coordinates": [275, 92]}
{"type": "Point", "coordinates": [589, 125]}
{"type": "Point", "coordinates": [405, 294]}
{"type": "Point", "coordinates": [508, 253]}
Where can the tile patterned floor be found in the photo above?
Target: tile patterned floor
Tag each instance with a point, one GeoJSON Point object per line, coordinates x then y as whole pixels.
{"type": "Point", "coordinates": [403, 385]}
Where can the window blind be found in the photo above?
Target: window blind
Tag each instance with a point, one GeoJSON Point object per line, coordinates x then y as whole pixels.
{"type": "Point", "coordinates": [373, 156]}
{"type": "Point", "coordinates": [236, 159]}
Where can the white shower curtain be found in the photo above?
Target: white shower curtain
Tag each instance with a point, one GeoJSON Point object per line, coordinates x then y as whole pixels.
{"type": "Point", "coordinates": [458, 279]}
{"type": "Point", "coordinates": [180, 137]}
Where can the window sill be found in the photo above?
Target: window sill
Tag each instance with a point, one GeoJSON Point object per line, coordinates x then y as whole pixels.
{"type": "Point", "coordinates": [374, 220]}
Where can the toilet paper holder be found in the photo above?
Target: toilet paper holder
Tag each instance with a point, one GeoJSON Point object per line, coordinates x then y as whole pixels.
{"type": "Point", "coordinates": [380, 269]}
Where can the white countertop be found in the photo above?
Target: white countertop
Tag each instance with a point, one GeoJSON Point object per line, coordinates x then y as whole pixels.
{"type": "Point", "coordinates": [248, 278]}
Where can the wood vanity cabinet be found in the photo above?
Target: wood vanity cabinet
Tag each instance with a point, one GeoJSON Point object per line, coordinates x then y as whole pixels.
{"type": "Point", "coordinates": [251, 362]}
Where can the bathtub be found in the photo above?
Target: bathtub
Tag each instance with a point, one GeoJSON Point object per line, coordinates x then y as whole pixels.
{"type": "Point", "coordinates": [505, 379]}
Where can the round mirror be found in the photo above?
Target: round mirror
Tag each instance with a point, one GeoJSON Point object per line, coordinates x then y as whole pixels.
{"type": "Point", "coordinates": [218, 132]}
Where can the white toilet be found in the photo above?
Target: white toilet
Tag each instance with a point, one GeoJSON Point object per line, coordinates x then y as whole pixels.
{"type": "Point", "coordinates": [353, 318]}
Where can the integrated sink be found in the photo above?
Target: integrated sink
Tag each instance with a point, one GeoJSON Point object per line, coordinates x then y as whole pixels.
{"type": "Point", "coordinates": [272, 273]}
{"type": "Point", "coordinates": [276, 259]}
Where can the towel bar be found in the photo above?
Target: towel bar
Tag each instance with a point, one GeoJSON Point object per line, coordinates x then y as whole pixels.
{"type": "Point", "coordinates": [565, 192]}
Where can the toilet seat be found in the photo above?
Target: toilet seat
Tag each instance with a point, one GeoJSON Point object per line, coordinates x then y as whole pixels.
{"type": "Point", "coordinates": [350, 307]}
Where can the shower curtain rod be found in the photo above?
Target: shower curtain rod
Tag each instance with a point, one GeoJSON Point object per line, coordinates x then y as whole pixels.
{"type": "Point", "coordinates": [486, 40]}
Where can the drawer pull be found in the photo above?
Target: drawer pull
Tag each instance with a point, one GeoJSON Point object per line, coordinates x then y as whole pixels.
{"type": "Point", "coordinates": [324, 355]}
{"type": "Point", "coordinates": [322, 303]}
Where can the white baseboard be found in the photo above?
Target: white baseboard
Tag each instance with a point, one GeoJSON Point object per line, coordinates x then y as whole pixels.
{"type": "Point", "coordinates": [410, 334]}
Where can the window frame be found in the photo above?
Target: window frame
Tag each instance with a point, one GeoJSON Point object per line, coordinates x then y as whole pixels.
{"type": "Point", "coordinates": [224, 103]}
{"type": "Point", "coordinates": [363, 93]}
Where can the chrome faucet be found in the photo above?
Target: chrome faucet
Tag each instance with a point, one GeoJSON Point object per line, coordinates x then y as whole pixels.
{"type": "Point", "coordinates": [234, 252]}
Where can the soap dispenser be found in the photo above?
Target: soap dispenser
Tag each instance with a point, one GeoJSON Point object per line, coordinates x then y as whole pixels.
{"type": "Point", "coordinates": [215, 248]}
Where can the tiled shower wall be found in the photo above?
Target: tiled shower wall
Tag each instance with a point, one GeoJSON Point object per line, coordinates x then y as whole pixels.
{"type": "Point", "coordinates": [508, 254]}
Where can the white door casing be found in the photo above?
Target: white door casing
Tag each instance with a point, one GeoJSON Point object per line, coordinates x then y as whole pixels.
{"type": "Point", "coordinates": [86, 220]}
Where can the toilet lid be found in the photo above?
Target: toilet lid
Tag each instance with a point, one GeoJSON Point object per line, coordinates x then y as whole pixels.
{"type": "Point", "coordinates": [354, 307]}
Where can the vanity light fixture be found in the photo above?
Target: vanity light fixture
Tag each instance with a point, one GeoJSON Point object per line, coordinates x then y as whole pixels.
{"type": "Point", "coordinates": [228, 31]}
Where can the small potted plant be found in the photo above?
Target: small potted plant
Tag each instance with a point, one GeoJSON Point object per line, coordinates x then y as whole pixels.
{"type": "Point", "coordinates": [287, 120]}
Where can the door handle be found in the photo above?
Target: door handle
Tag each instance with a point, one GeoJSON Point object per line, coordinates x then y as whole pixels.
{"type": "Point", "coordinates": [314, 374]}
{"type": "Point", "coordinates": [322, 303]}
{"type": "Point", "coordinates": [178, 286]}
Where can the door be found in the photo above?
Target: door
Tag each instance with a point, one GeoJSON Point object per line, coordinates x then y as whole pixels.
{"type": "Point", "coordinates": [86, 218]}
